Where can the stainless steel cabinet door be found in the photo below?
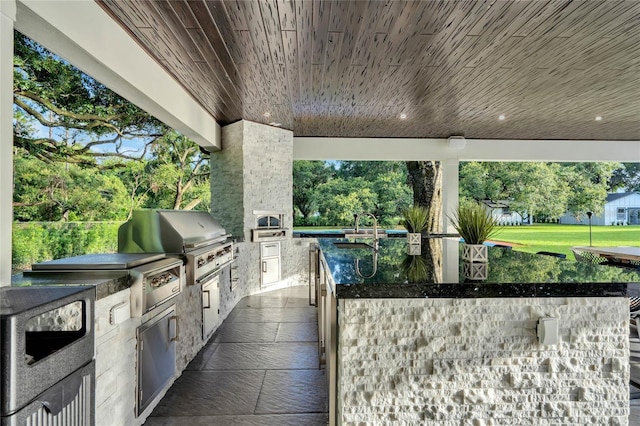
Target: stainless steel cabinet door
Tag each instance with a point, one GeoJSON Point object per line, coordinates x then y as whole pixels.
{"type": "Point", "coordinates": [270, 270]}
{"type": "Point", "coordinates": [156, 356]}
{"type": "Point", "coordinates": [210, 306]}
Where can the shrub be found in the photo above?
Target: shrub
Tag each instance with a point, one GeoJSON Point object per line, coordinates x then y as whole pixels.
{"type": "Point", "coordinates": [35, 242]}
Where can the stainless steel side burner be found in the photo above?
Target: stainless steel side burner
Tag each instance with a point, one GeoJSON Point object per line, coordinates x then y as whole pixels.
{"type": "Point", "coordinates": [155, 278]}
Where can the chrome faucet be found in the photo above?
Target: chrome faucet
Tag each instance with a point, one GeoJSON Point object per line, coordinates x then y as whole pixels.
{"type": "Point", "coordinates": [375, 227]}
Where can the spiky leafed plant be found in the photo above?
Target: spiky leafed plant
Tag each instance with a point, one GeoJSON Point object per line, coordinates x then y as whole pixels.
{"type": "Point", "coordinates": [474, 223]}
{"type": "Point", "coordinates": [415, 219]}
{"type": "Point", "coordinates": [416, 269]}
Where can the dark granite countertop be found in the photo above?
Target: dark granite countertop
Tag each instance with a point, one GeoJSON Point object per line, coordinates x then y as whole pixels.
{"type": "Point", "coordinates": [439, 272]}
{"type": "Point", "coordinates": [105, 282]}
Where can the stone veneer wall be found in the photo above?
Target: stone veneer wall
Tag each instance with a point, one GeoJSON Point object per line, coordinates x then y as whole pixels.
{"type": "Point", "coordinates": [253, 171]}
{"type": "Point", "coordinates": [478, 362]}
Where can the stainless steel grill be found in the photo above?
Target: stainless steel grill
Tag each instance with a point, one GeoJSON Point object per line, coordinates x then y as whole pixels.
{"type": "Point", "coordinates": [194, 235]}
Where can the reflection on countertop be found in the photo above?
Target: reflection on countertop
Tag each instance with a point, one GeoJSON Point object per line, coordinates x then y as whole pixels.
{"type": "Point", "coordinates": [438, 272]}
{"type": "Point", "coordinates": [105, 282]}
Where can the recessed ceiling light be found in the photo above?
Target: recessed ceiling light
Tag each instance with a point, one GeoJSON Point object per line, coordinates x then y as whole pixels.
{"type": "Point", "coordinates": [403, 116]}
{"type": "Point", "coordinates": [273, 123]}
{"type": "Point", "coordinates": [266, 114]}
{"type": "Point", "coordinates": [501, 117]}
{"type": "Point", "coordinates": [598, 118]}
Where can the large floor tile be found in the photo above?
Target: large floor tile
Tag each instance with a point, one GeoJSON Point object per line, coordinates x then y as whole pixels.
{"type": "Point", "coordinates": [293, 391]}
{"type": "Point", "coordinates": [264, 315]}
{"type": "Point", "coordinates": [202, 357]}
{"type": "Point", "coordinates": [265, 356]}
{"type": "Point", "coordinates": [244, 420]}
{"type": "Point", "coordinates": [258, 301]}
{"type": "Point", "coordinates": [209, 393]}
{"type": "Point", "coordinates": [238, 332]}
{"type": "Point", "coordinates": [297, 332]}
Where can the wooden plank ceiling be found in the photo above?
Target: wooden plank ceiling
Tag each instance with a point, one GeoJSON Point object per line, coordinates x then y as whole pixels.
{"type": "Point", "coordinates": [351, 68]}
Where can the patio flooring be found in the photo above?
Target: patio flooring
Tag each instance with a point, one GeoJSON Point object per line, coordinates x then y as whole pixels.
{"type": "Point", "coordinates": [261, 368]}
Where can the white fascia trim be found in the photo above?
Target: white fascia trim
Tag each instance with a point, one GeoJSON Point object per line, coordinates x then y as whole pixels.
{"type": "Point", "coordinates": [85, 35]}
{"type": "Point", "coordinates": [399, 149]}
{"type": "Point", "coordinates": [7, 18]}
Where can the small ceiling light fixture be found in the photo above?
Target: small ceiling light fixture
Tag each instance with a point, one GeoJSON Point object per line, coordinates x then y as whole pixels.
{"type": "Point", "coordinates": [403, 116]}
{"type": "Point", "coordinates": [598, 118]}
{"type": "Point", "coordinates": [501, 117]}
{"type": "Point", "coordinates": [266, 114]}
{"type": "Point", "coordinates": [273, 123]}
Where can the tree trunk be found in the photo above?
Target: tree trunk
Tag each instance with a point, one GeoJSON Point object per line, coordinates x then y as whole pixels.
{"type": "Point", "coordinates": [425, 177]}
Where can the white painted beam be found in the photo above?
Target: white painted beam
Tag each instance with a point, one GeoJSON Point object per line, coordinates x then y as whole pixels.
{"type": "Point", "coordinates": [7, 18]}
{"type": "Point", "coordinates": [83, 33]}
{"type": "Point", "coordinates": [395, 149]}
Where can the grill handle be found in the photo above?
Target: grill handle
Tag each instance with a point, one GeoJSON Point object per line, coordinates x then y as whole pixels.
{"type": "Point", "coordinates": [175, 338]}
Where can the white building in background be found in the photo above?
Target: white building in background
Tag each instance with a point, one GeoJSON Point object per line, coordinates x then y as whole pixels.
{"type": "Point", "coordinates": [621, 208]}
{"type": "Point", "coordinates": [502, 212]}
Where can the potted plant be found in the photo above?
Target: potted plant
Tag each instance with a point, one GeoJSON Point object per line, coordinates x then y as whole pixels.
{"type": "Point", "coordinates": [475, 225]}
{"type": "Point", "coordinates": [415, 220]}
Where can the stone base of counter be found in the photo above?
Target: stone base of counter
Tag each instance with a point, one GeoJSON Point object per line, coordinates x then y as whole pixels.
{"type": "Point", "coordinates": [478, 361]}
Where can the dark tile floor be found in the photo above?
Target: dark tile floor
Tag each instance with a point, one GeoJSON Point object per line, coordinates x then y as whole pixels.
{"type": "Point", "coordinates": [259, 368]}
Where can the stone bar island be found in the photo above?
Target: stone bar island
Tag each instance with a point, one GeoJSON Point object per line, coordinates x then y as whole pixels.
{"type": "Point", "coordinates": [409, 339]}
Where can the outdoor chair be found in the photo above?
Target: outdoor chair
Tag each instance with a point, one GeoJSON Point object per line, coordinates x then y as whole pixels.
{"type": "Point", "coordinates": [550, 253]}
{"type": "Point", "coordinates": [503, 247]}
{"type": "Point", "coordinates": [587, 256]}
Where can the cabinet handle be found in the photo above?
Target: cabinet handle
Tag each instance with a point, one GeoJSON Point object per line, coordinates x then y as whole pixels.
{"type": "Point", "coordinates": [176, 337]}
{"type": "Point", "coordinates": [264, 266]}
{"type": "Point", "coordinates": [208, 305]}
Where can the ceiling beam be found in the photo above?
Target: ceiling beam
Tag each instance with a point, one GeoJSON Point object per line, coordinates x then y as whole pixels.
{"type": "Point", "coordinates": [397, 149]}
{"type": "Point", "coordinates": [83, 33]}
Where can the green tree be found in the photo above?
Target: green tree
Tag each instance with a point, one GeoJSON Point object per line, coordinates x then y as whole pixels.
{"type": "Point", "coordinates": [64, 192]}
{"type": "Point", "coordinates": [178, 174]}
{"type": "Point", "coordinates": [340, 199]}
{"type": "Point", "coordinates": [626, 177]}
{"type": "Point", "coordinates": [589, 183]}
{"type": "Point", "coordinates": [307, 177]}
{"type": "Point", "coordinates": [65, 115]}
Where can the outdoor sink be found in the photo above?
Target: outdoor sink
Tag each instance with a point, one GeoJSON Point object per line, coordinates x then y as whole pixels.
{"type": "Point", "coordinates": [348, 245]}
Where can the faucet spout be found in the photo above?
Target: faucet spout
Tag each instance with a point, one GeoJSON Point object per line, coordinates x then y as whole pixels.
{"type": "Point", "coordinates": [375, 227]}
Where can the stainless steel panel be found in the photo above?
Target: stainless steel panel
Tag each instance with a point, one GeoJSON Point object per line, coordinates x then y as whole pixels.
{"type": "Point", "coordinates": [156, 356]}
{"type": "Point", "coordinates": [202, 262]}
{"type": "Point", "coordinates": [270, 270]}
{"type": "Point", "coordinates": [155, 283]}
{"type": "Point", "coordinates": [99, 261]}
{"type": "Point", "coordinates": [270, 249]}
{"type": "Point", "coordinates": [210, 306]}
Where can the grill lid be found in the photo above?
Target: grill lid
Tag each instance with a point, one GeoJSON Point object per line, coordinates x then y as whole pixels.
{"type": "Point", "coordinates": [168, 231]}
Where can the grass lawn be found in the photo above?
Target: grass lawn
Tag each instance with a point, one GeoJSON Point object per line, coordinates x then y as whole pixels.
{"type": "Point", "coordinates": [560, 238]}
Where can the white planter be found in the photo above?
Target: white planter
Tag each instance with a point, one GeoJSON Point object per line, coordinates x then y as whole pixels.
{"type": "Point", "coordinates": [414, 243]}
{"type": "Point", "coordinates": [414, 249]}
{"type": "Point", "coordinates": [475, 253]}
{"type": "Point", "coordinates": [475, 271]}
{"type": "Point", "coordinates": [414, 238]}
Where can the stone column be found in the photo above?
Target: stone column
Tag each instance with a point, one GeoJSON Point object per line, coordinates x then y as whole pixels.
{"type": "Point", "coordinates": [252, 172]}
{"type": "Point", "coordinates": [7, 19]}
